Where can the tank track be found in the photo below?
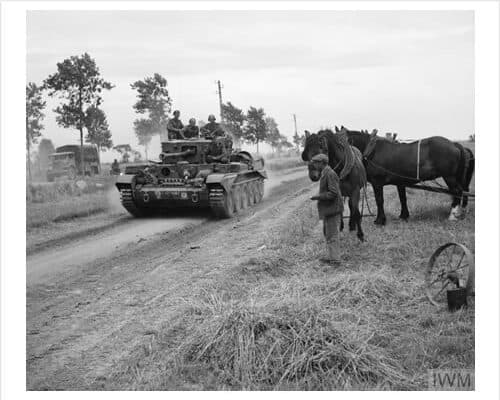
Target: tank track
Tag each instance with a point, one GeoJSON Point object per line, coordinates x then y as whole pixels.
{"type": "Point", "coordinates": [127, 200]}
{"type": "Point", "coordinates": [218, 202]}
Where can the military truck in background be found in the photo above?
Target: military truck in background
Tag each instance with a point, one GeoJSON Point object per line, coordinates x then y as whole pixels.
{"type": "Point", "coordinates": [199, 173]}
{"type": "Point", "coordinates": [66, 162]}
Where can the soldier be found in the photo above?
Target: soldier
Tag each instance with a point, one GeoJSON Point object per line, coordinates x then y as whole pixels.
{"type": "Point", "coordinates": [330, 207]}
{"type": "Point", "coordinates": [191, 130]}
{"type": "Point", "coordinates": [175, 126]}
{"type": "Point", "coordinates": [212, 129]}
{"type": "Point", "coordinates": [115, 167]}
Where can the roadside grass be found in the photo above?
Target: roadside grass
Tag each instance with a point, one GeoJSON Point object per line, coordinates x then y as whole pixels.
{"type": "Point", "coordinates": [279, 320]}
{"type": "Point", "coordinates": [39, 214]}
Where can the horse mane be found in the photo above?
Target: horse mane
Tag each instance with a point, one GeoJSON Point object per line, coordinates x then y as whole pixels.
{"type": "Point", "coordinates": [348, 150]}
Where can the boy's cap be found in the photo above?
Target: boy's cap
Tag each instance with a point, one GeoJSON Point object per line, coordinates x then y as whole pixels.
{"type": "Point", "coordinates": [320, 157]}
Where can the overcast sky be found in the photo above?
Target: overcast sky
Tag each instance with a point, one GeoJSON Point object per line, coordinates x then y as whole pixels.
{"type": "Point", "coordinates": [410, 72]}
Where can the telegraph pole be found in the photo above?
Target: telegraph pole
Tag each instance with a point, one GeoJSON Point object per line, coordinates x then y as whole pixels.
{"type": "Point", "coordinates": [219, 92]}
{"type": "Point", "coordinates": [295, 123]}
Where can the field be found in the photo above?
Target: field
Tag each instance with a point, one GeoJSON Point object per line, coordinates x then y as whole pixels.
{"type": "Point", "coordinates": [244, 304]}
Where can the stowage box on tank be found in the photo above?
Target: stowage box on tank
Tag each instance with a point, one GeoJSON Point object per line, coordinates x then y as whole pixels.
{"type": "Point", "coordinates": [194, 173]}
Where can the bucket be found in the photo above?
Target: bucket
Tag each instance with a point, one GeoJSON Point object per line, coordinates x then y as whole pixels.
{"type": "Point", "coordinates": [457, 298]}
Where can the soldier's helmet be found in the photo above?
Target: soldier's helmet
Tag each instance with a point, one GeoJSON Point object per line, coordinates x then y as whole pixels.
{"type": "Point", "coordinates": [211, 118]}
{"type": "Point", "coordinates": [177, 112]}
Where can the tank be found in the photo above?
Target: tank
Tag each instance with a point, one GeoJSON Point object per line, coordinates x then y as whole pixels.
{"type": "Point", "coordinates": [199, 173]}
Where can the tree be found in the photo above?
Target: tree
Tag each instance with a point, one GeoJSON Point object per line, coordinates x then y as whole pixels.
{"type": "Point", "coordinates": [144, 131]}
{"type": "Point", "coordinates": [34, 115]}
{"type": "Point", "coordinates": [255, 128]}
{"type": "Point", "coordinates": [233, 120]}
{"type": "Point", "coordinates": [124, 150]}
{"type": "Point", "coordinates": [273, 136]}
{"type": "Point", "coordinates": [298, 140]}
{"type": "Point", "coordinates": [79, 84]}
{"type": "Point", "coordinates": [153, 100]}
{"type": "Point", "coordinates": [98, 132]}
{"type": "Point", "coordinates": [45, 148]}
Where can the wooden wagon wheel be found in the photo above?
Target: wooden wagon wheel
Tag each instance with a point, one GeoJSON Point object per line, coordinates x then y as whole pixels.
{"type": "Point", "coordinates": [451, 265]}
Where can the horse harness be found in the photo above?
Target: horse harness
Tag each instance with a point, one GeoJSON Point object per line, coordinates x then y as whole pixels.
{"type": "Point", "coordinates": [367, 155]}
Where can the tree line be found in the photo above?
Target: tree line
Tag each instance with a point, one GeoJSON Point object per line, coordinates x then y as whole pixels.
{"type": "Point", "coordinates": [78, 85]}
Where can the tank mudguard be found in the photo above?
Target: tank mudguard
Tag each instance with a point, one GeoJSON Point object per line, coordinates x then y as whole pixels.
{"type": "Point", "coordinates": [126, 180]}
{"type": "Point", "coordinates": [225, 180]}
{"type": "Point", "coordinates": [262, 173]}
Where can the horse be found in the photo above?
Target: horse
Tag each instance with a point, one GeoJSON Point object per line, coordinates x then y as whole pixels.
{"type": "Point", "coordinates": [346, 161]}
{"type": "Point", "coordinates": [393, 163]}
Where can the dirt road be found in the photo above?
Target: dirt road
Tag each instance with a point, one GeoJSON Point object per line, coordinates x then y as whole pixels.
{"type": "Point", "coordinates": [92, 302]}
{"type": "Point", "coordinates": [124, 231]}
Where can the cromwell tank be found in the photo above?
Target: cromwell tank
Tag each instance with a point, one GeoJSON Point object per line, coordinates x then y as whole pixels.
{"type": "Point", "coordinates": [201, 173]}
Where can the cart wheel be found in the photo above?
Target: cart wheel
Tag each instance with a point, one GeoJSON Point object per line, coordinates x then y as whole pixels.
{"type": "Point", "coordinates": [451, 265]}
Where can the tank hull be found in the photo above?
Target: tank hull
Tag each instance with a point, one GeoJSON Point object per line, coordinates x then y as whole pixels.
{"type": "Point", "coordinates": [187, 179]}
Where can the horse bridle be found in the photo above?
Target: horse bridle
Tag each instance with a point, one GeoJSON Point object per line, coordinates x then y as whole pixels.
{"type": "Point", "coordinates": [324, 148]}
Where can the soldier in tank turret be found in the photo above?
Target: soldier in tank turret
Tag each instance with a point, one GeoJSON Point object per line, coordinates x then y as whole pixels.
{"type": "Point", "coordinates": [191, 130]}
{"type": "Point", "coordinates": [212, 129]}
{"type": "Point", "coordinates": [174, 127]}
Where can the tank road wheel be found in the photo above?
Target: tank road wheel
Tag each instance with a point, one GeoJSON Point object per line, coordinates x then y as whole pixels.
{"type": "Point", "coordinates": [245, 196]}
{"type": "Point", "coordinates": [260, 189]}
{"type": "Point", "coordinates": [255, 190]}
{"type": "Point", "coordinates": [451, 266]}
{"type": "Point", "coordinates": [221, 203]}
{"type": "Point", "coordinates": [251, 193]}
{"type": "Point", "coordinates": [237, 193]}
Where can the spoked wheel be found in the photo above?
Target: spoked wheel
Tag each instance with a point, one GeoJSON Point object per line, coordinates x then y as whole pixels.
{"type": "Point", "coordinates": [451, 266]}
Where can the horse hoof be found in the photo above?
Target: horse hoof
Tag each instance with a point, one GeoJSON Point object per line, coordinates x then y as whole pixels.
{"type": "Point", "coordinates": [361, 238]}
{"type": "Point", "coordinates": [379, 222]}
{"type": "Point", "coordinates": [404, 217]}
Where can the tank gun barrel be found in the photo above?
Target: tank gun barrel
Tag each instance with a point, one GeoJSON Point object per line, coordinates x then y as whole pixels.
{"type": "Point", "coordinates": [184, 153]}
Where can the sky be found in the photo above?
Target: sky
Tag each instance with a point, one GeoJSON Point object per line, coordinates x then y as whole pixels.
{"type": "Point", "coordinates": [410, 72]}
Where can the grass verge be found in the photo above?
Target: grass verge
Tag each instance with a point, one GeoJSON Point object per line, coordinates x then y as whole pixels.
{"type": "Point", "coordinates": [281, 321]}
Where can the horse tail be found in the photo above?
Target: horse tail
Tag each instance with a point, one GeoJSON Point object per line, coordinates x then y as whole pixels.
{"type": "Point", "coordinates": [469, 168]}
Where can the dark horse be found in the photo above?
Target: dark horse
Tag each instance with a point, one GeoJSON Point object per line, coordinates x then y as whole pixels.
{"type": "Point", "coordinates": [346, 161]}
{"type": "Point", "coordinates": [392, 163]}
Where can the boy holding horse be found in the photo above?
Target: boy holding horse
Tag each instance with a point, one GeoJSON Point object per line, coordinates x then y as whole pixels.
{"type": "Point", "coordinates": [330, 207]}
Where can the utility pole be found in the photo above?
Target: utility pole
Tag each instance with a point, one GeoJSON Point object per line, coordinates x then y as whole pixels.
{"type": "Point", "coordinates": [295, 123]}
{"type": "Point", "coordinates": [219, 92]}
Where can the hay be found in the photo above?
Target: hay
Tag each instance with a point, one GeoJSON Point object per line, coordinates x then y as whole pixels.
{"type": "Point", "coordinates": [285, 345]}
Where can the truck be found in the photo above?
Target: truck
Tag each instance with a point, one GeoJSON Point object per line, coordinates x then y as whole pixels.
{"type": "Point", "coordinates": [66, 162]}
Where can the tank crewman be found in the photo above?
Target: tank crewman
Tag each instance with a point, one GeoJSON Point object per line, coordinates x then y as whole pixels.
{"type": "Point", "coordinates": [330, 207]}
{"type": "Point", "coordinates": [115, 167]}
{"type": "Point", "coordinates": [212, 129]}
{"type": "Point", "coordinates": [174, 126]}
{"type": "Point", "coordinates": [191, 130]}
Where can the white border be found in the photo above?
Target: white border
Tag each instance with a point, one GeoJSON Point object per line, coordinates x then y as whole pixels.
{"type": "Point", "coordinates": [13, 58]}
